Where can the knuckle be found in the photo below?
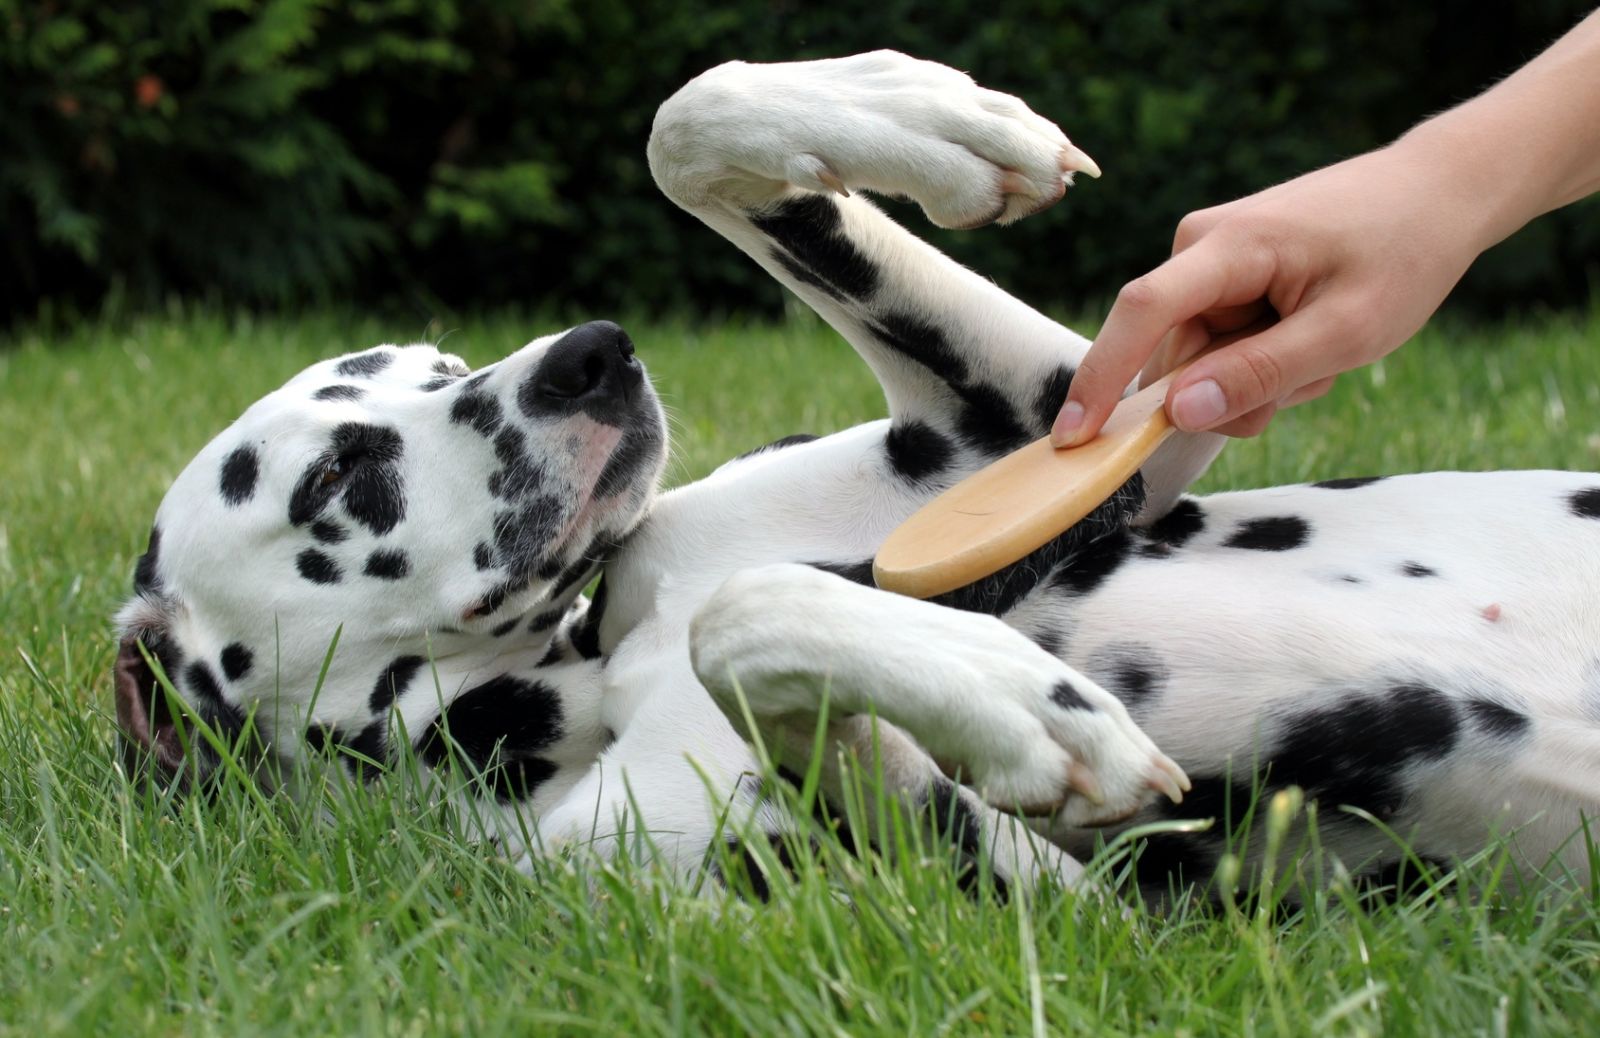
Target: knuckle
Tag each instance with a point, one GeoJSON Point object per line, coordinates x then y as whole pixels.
{"type": "Point", "coordinates": [1192, 228]}
{"type": "Point", "coordinates": [1141, 295]}
{"type": "Point", "coordinates": [1258, 375]}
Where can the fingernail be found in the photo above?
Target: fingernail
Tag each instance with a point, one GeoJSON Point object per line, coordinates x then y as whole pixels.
{"type": "Point", "coordinates": [1199, 406]}
{"type": "Point", "coordinates": [1065, 432]}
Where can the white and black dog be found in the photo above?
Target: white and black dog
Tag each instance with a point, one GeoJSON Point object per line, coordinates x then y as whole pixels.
{"type": "Point", "coordinates": [1420, 654]}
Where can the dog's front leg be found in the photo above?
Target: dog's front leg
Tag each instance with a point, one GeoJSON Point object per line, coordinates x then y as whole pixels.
{"type": "Point", "coordinates": [1028, 732]}
{"type": "Point", "coordinates": [773, 157]}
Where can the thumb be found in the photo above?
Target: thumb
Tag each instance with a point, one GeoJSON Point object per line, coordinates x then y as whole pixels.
{"type": "Point", "coordinates": [1250, 373]}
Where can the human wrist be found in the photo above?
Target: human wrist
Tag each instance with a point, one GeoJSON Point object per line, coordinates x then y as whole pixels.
{"type": "Point", "coordinates": [1489, 191]}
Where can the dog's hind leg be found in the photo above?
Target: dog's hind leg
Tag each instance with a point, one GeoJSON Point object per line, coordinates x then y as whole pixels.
{"type": "Point", "coordinates": [772, 157]}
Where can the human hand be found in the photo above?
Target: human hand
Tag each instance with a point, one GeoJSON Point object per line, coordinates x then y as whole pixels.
{"type": "Point", "coordinates": [1339, 267]}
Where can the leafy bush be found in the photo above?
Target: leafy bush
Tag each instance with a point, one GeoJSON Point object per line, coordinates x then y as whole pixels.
{"type": "Point", "coordinates": [463, 151]}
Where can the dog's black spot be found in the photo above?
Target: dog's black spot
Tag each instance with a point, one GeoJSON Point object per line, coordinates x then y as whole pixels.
{"type": "Point", "coordinates": [1585, 503]}
{"type": "Point", "coordinates": [496, 598]}
{"type": "Point", "coordinates": [581, 569]}
{"type": "Point", "coordinates": [503, 629]}
{"type": "Point", "coordinates": [225, 718]}
{"type": "Point", "coordinates": [554, 654]}
{"type": "Point", "coordinates": [519, 476]}
{"type": "Point", "coordinates": [499, 727]}
{"type": "Point", "coordinates": [1067, 697]}
{"type": "Point", "coordinates": [746, 862]}
{"type": "Point", "coordinates": [1349, 578]}
{"type": "Point", "coordinates": [368, 759]}
{"type": "Point", "coordinates": [855, 572]}
{"type": "Point", "coordinates": [239, 472]}
{"type": "Point", "coordinates": [545, 620]}
{"type": "Point", "coordinates": [1048, 404]}
{"type": "Point", "coordinates": [1417, 569]}
{"type": "Point", "coordinates": [1131, 671]}
{"type": "Point", "coordinates": [1049, 641]}
{"type": "Point", "coordinates": [1496, 718]}
{"type": "Point", "coordinates": [916, 451]}
{"type": "Point", "coordinates": [317, 567]}
{"type": "Point", "coordinates": [364, 752]}
{"type": "Point", "coordinates": [777, 445]}
{"type": "Point", "coordinates": [478, 410]}
{"type": "Point", "coordinates": [522, 533]}
{"type": "Point", "coordinates": [438, 382]}
{"type": "Point", "coordinates": [1347, 483]}
{"type": "Point", "coordinates": [482, 557]}
{"type": "Point", "coordinates": [339, 392]}
{"type": "Point", "coordinates": [361, 463]}
{"type": "Point", "coordinates": [638, 448]}
{"type": "Point", "coordinates": [389, 564]}
{"type": "Point", "coordinates": [450, 367]}
{"type": "Point", "coordinates": [987, 423]}
{"type": "Point", "coordinates": [375, 497]}
{"type": "Point", "coordinates": [145, 578]}
{"type": "Point", "coordinates": [328, 532]}
{"type": "Point", "coordinates": [798, 271]}
{"type": "Point", "coordinates": [393, 682]}
{"type": "Point", "coordinates": [365, 364]}
{"type": "Point", "coordinates": [954, 820]}
{"type": "Point", "coordinates": [923, 342]}
{"type": "Point", "coordinates": [586, 634]}
{"type": "Point", "coordinates": [1089, 568]}
{"type": "Point", "coordinates": [1275, 533]}
{"type": "Point", "coordinates": [202, 682]}
{"type": "Point", "coordinates": [1172, 861]}
{"type": "Point", "coordinates": [236, 661]}
{"type": "Point", "coordinates": [1401, 880]}
{"type": "Point", "coordinates": [1356, 752]}
{"type": "Point", "coordinates": [810, 230]}
{"type": "Point", "coordinates": [1179, 525]}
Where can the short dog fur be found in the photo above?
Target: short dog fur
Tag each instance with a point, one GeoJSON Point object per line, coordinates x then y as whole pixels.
{"type": "Point", "coordinates": [1420, 654]}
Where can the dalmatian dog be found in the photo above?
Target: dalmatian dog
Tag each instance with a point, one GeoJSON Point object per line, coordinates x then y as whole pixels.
{"type": "Point", "coordinates": [390, 551]}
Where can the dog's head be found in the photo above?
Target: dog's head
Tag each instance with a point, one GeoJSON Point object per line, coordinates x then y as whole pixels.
{"type": "Point", "coordinates": [397, 499]}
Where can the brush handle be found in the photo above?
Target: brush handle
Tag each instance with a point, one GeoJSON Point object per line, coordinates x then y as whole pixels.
{"type": "Point", "coordinates": [1018, 504]}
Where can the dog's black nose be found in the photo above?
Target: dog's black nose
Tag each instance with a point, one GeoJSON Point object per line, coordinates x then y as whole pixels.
{"type": "Point", "coordinates": [591, 369]}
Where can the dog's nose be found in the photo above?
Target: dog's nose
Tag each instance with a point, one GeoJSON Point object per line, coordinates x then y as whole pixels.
{"type": "Point", "coordinates": [591, 368]}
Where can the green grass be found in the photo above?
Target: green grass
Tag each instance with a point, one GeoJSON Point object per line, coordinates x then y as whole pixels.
{"type": "Point", "coordinates": [123, 916]}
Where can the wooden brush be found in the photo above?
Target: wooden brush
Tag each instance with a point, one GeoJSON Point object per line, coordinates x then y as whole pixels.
{"type": "Point", "coordinates": [1002, 512]}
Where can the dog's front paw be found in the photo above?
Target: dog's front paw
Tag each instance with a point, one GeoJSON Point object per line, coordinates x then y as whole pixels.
{"type": "Point", "coordinates": [883, 122]}
{"type": "Point", "coordinates": [1088, 765]}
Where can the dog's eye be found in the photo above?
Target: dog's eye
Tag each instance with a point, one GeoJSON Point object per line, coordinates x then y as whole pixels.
{"type": "Point", "coordinates": [334, 472]}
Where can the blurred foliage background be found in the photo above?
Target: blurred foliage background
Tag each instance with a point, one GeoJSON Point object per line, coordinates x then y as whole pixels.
{"type": "Point", "coordinates": [439, 154]}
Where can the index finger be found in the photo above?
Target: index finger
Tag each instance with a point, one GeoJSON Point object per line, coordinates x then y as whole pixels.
{"type": "Point", "coordinates": [1211, 273]}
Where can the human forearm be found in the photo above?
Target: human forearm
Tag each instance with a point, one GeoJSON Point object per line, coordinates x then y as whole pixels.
{"type": "Point", "coordinates": [1528, 145]}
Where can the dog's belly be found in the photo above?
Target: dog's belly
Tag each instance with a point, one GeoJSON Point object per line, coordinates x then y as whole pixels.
{"type": "Point", "coordinates": [1426, 649]}
{"type": "Point", "coordinates": [1485, 580]}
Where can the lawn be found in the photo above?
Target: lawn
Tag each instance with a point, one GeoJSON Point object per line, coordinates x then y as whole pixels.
{"type": "Point", "coordinates": [123, 916]}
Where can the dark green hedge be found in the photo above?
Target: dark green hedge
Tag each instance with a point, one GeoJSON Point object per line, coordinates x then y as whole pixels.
{"type": "Point", "coordinates": [450, 153]}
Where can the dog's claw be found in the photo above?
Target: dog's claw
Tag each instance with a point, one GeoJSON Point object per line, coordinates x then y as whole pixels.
{"type": "Point", "coordinates": [1168, 779]}
{"type": "Point", "coordinates": [1076, 160]}
{"type": "Point", "coordinates": [1080, 778]}
{"type": "Point", "coordinates": [831, 180]}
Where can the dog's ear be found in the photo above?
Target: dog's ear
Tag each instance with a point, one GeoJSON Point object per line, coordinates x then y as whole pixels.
{"type": "Point", "coordinates": [148, 728]}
